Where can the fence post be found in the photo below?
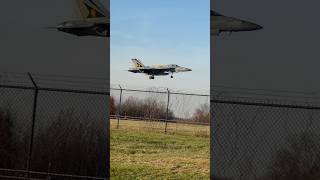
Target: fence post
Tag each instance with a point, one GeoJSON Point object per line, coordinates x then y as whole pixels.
{"type": "Point", "coordinates": [49, 170]}
{"type": "Point", "coordinates": [32, 122]}
{"type": "Point", "coordinates": [167, 116]}
{"type": "Point", "coordinates": [119, 107]}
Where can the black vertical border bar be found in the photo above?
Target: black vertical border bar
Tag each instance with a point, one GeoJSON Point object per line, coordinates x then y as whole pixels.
{"type": "Point", "coordinates": [108, 89]}
{"type": "Point", "coordinates": [211, 93]}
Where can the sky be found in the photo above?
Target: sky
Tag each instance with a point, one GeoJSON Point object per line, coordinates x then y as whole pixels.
{"type": "Point", "coordinates": [161, 32]}
{"type": "Point", "coordinates": [26, 46]}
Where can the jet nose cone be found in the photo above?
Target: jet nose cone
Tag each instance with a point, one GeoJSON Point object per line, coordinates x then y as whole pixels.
{"type": "Point", "coordinates": [185, 69]}
{"type": "Point", "coordinates": [60, 26]}
{"type": "Point", "coordinates": [251, 26]}
{"type": "Point", "coordinates": [256, 26]}
{"type": "Point", "coordinates": [182, 69]}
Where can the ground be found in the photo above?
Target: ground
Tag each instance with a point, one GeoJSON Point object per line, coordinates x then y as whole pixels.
{"type": "Point", "coordinates": [141, 150]}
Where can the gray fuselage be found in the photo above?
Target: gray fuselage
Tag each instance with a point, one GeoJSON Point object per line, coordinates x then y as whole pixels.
{"type": "Point", "coordinates": [85, 28]}
{"type": "Point", "coordinates": [222, 23]}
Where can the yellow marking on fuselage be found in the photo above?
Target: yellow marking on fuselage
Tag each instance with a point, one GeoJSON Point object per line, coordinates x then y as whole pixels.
{"type": "Point", "coordinates": [161, 65]}
{"type": "Point", "coordinates": [137, 65]}
{"type": "Point", "coordinates": [93, 13]}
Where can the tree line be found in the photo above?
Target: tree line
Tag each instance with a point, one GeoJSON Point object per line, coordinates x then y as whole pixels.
{"type": "Point", "coordinates": [151, 107]}
{"type": "Point", "coordinates": [71, 142]}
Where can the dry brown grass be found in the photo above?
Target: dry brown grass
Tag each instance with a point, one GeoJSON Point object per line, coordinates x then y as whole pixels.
{"type": "Point", "coordinates": [141, 150]}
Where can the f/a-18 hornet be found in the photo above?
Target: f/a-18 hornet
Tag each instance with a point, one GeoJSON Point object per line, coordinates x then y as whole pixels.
{"type": "Point", "coordinates": [156, 70]}
{"type": "Point", "coordinates": [221, 23]}
{"type": "Point", "coordinates": [95, 20]}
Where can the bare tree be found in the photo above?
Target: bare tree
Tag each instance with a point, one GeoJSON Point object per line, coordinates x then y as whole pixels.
{"type": "Point", "coordinates": [113, 109]}
{"type": "Point", "coordinates": [299, 160]}
{"type": "Point", "coordinates": [72, 143]}
{"type": "Point", "coordinates": [7, 144]}
{"type": "Point", "coordinates": [150, 107]}
{"type": "Point", "coordinates": [202, 114]}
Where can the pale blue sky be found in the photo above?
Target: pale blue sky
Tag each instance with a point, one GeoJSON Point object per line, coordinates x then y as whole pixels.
{"type": "Point", "coordinates": [161, 32]}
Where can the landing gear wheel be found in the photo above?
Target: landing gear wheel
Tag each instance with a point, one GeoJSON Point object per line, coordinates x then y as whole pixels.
{"type": "Point", "coordinates": [151, 77]}
{"type": "Point", "coordinates": [171, 76]}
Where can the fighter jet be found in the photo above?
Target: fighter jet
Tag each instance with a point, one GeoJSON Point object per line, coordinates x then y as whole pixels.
{"type": "Point", "coordinates": [94, 20]}
{"type": "Point", "coordinates": [156, 70]}
{"type": "Point", "coordinates": [221, 23]}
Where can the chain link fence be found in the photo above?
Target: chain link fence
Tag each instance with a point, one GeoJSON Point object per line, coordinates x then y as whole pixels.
{"type": "Point", "coordinates": [160, 109]}
{"type": "Point", "coordinates": [53, 133]}
{"type": "Point", "coordinates": [259, 136]}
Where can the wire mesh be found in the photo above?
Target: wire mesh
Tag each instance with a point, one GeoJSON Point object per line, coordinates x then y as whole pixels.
{"type": "Point", "coordinates": [160, 109]}
{"type": "Point", "coordinates": [58, 131]}
{"type": "Point", "coordinates": [264, 139]}
{"type": "Point", "coordinates": [15, 123]}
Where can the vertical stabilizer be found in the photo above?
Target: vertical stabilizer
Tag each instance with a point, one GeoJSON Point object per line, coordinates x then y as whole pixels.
{"type": "Point", "coordinates": [91, 9]}
{"type": "Point", "coordinates": [137, 63]}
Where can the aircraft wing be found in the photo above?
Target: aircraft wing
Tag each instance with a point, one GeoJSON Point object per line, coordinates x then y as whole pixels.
{"type": "Point", "coordinates": [72, 25]}
{"type": "Point", "coordinates": [159, 70]}
{"type": "Point", "coordinates": [134, 70]}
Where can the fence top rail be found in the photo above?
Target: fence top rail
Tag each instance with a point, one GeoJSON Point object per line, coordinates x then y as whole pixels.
{"type": "Point", "coordinates": [239, 102]}
{"type": "Point", "coordinates": [16, 177]}
{"type": "Point", "coordinates": [62, 83]}
{"type": "Point", "coordinates": [55, 89]}
{"type": "Point", "coordinates": [160, 92]}
{"type": "Point", "coordinates": [76, 91]}
{"type": "Point", "coordinates": [157, 119]}
{"type": "Point", "coordinates": [16, 87]}
{"type": "Point", "coordinates": [262, 95]}
{"type": "Point", "coordinates": [51, 174]}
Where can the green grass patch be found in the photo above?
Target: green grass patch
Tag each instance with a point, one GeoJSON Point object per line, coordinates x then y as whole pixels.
{"type": "Point", "coordinates": [141, 153]}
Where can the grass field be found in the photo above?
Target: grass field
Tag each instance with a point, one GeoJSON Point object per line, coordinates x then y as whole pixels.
{"type": "Point", "coordinates": [141, 150]}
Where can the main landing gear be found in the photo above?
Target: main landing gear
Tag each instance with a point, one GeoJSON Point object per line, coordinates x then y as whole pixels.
{"type": "Point", "coordinates": [151, 77]}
